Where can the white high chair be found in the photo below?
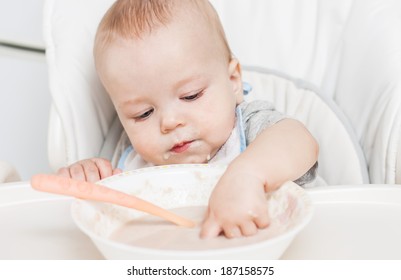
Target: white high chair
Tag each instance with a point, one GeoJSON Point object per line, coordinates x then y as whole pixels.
{"type": "Point", "coordinates": [335, 65]}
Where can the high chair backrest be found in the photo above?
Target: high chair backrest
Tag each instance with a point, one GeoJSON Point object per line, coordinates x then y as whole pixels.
{"type": "Point", "coordinates": [295, 50]}
{"type": "Point", "coordinates": [82, 113]}
{"type": "Point", "coordinates": [348, 50]}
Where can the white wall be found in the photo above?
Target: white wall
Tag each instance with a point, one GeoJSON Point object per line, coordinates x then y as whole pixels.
{"type": "Point", "coordinates": [24, 108]}
{"type": "Point", "coordinates": [21, 22]}
{"type": "Point", "coordinates": [24, 93]}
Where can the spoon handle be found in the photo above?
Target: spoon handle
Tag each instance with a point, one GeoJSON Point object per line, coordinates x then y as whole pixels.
{"type": "Point", "coordinates": [86, 190]}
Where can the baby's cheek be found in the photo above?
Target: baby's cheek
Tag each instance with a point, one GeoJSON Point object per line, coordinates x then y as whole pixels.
{"type": "Point", "coordinates": [147, 149]}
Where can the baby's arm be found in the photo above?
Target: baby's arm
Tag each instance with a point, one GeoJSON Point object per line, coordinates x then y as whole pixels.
{"type": "Point", "coordinates": [284, 151]}
{"type": "Point", "coordinates": [91, 170]}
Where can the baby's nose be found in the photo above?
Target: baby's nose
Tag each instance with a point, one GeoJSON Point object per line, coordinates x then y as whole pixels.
{"type": "Point", "coordinates": [170, 121]}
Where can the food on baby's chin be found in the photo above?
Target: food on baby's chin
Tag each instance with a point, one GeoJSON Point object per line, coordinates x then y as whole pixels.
{"type": "Point", "coordinates": [154, 233]}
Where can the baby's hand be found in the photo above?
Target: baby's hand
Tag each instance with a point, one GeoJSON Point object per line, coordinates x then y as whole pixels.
{"type": "Point", "coordinates": [91, 170]}
{"type": "Point", "coordinates": [237, 207]}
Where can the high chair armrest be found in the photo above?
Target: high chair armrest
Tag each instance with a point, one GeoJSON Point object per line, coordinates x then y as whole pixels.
{"type": "Point", "coordinates": [8, 173]}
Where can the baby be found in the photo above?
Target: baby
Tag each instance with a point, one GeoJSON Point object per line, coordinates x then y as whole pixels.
{"type": "Point", "coordinates": [178, 92]}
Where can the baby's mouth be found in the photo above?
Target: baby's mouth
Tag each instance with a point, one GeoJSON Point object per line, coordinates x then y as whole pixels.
{"type": "Point", "coordinates": [181, 147]}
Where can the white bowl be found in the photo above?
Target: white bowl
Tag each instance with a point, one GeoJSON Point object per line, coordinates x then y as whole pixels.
{"type": "Point", "coordinates": [187, 185]}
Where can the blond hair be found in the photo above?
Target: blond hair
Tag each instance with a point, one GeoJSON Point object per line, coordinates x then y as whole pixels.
{"type": "Point", "coordinates": [130, 19]}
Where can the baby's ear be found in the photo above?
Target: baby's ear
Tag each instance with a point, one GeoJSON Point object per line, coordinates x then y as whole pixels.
{"type": "Point", "coordinates": [234, 72]}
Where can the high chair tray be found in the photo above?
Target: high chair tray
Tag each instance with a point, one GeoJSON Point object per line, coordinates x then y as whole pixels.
{"type": "Point", "coordinates": [36, 225]}
{"type": "Point", "coordinates": [349, 222]}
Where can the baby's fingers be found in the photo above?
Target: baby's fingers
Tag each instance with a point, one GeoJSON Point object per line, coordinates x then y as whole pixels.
{"type": "Point", "coordinates": [262, 221]}
{"type": "Point", "coordinates": [100, 168]}
{"type": "Point", "coordinates": [91, 170]}
{"type": "Point", "coordinates": [248, 228]}
{"type": "Point", "coordinates": [94, 170]}
{"type": "Point", "coordinates": [231, 231]}
{"type": "Point", "coordinates": [75, 171]}
{"type": "Point", "coordinates": [210, 228]}
{"type": "Point", "coordinates": [117, 171]}
{"type": "Point", "coordinates": [64, 172]}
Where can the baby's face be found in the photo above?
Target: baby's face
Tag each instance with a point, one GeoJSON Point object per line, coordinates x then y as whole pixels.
{"type": "Point", "coordinates": [174, 92]}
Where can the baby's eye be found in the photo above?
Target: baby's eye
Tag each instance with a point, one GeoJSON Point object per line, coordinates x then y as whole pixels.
{"type": "Point", "coordinates": [144, 115]}
{"type": "Point", "coordinates": [192, 97]}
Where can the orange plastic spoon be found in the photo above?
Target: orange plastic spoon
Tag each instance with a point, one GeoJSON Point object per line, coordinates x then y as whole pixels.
{"type": "Point", "coordinates": [85, 190]}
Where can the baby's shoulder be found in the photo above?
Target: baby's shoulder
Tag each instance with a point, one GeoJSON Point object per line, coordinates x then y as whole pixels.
{"type": "Point", "coordinates": [252, 108]}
